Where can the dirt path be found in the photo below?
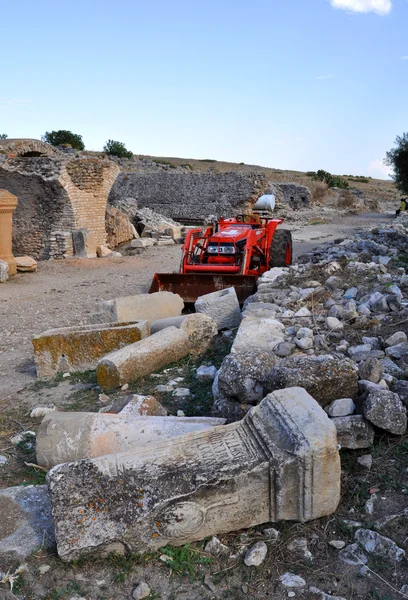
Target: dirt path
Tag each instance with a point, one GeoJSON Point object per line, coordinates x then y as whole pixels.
{"type": "Point", "coordinates": [63, 293]}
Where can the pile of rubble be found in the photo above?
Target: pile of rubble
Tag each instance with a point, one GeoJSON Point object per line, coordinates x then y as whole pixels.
{"type": "Point", "coordinates": [318, 364]}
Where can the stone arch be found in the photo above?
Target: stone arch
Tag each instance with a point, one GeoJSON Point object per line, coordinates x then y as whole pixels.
{"type": "Point", "coordinates": [27, 148]}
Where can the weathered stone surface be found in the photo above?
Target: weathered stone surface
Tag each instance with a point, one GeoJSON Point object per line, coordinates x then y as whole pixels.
{"type": "Point", "coordinates": [371, 370]}
{"type": "Point", "coordinates": [142, 243]}
{"type": "Point", "coordinates": [354, 432]}
{"type": "Point", "coordinates": [341, 408]}
{"type": "Point", "coordinates": [244, 376]}
{"type": "Point", "coordinates": [255, 556]}
{"type": "Point", "coordinates": [26, 522]}
{"type": "Point", "coordinates": [143, 406]}
{"type": "Point", "coordinates": [8, 203]}
{"type": "Point", "coordinates": [399, 337]}
{"type": "Point", "coordinates": [144, 357]}
{"type": "Point", "coordinates": [398, 351]}
{"type": "Point", "coordinates": [70, 349]}
{"type": "Point", "coordinates": [160, 324]}
{"type": "Point", "coordinates": [378, 544]}
{"type": "Point", "coordinates": [205, 373]}
{"type": "Point", "coordinates": [324, 377]}
{"type": "Point", "coordinates": [384, 409]}
{"type": "Point", "coordinates": [26, 264]}
{"type": "Point", "coordinates": [151, 307]}
{"type": "Point", "coordinates": [4, 269]}
{"type": "Point", "coordinates": [231, 410]}
{"type": "Point", "coordinates": [65, 437]}
{"type": "Point", "coordinates": [84, 243]}
{"type": "Point", "coordinates": [401, 389]}
{"type": "Point", "coordinates": [200, 330]}
{"type": "Point", "coordinates": [118, 227]}
{"type": "Point", "coordinates": [258, 334]}
{"type": "Point", "coordinates": [222, 307]}
{"type": "Point", "coordinates": [281, 462]}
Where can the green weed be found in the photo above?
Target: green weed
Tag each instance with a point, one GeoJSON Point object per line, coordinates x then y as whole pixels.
{"type": "Point", "coordinates": [185, 560]}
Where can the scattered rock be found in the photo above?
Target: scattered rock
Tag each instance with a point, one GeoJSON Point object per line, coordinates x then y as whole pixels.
{"type": "Point", "coordinates": [256, 554]}
{"type": "Point", "coordinates": [384, 409]}
{"type": "Point", "coordinates": [375, 543]}
{"type": "Point", "coordinates": [215, 547]}
{"type": "Point", "coordinates": [291, 580]}
{"type": "Point", "coordinates": [4, 270]}
{"type": "Point", "coordinates": [338, 544]}
{"type": "Point", "coordinates": [354, 432]}
{"type": "Point", "coordinates": [399, 337]}
{"type": "Point", "coordinates": [371, 370]}
{"type": "Point", "coordinates": [26, 264]}
{"type": "Point", "coordinates": [271, 534]}
{"type": "Point", "coordinates": [365, 461]}
{"type": "Point", "coordinates": [244, 375]}
{"type": "Point", "coordinates": [353, 555]}
{"type": "Point", "coordinates": [141, 591]}
{"type": "Point", "coordinates": [205, 373]}
{"type": "Point", "coordinates": [341, 408]}
{"type": "Point", "coordinates": [40, 411]}
{"type": "Point", "coordinates": [222, 306]}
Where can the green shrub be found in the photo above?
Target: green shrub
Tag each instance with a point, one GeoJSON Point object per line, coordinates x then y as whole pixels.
{"type": "Point", "coordinates": [63, 137]}
{"type": "Point", "coordinates": [114, 148]}
{"type": "Point", "coordinates": [3, 136]}
{"type": "Point", "coordinates": [331, 180]}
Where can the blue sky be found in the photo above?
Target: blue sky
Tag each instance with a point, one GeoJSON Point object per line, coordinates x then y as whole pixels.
{"type": "Point", "coordinates": [293, 84]}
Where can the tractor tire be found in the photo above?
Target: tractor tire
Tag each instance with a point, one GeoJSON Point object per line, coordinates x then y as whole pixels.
{"type": "Point", "coordinates": [281, 249]}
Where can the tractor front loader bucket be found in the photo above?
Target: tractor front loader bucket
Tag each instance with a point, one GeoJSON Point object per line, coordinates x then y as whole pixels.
{"type": "Point", "coordinates": [190, 285]}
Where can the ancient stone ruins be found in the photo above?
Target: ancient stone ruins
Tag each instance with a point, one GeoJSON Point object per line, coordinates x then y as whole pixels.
{"type": "Point", "coordinates": [313, 372]}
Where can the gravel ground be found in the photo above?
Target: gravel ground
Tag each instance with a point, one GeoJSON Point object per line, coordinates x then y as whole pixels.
{"type": "Point", "coordinates": [63, 293]}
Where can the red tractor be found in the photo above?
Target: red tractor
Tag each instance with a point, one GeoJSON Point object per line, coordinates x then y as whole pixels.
{"type": "Point", "coordinates": [230, 252]}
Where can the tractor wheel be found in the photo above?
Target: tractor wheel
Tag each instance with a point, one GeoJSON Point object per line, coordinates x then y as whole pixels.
{"type": "Point", "coordinates": [281, 249]}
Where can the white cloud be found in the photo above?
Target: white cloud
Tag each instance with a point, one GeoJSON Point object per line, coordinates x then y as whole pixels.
{"type": "Point", "coordinates": [404, 57]}
{"type": "Point", "coordinates": [14, 101]}
{"type": "Point", "coordinates": [324, 76]}
{"type": "Point", "coordinates": [381, 7]}
{"type": "Point", "coordinates": [378, 169]}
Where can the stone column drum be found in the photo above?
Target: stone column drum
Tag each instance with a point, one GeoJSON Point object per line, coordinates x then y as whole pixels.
{"type": "Point", "coordinates": [8, 204]}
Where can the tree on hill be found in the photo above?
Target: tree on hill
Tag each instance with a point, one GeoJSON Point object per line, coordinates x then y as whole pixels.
{"type": "Point", "coordinates": [397, 158]}
{"type": "Point", "coordinates": [64, 137]}
{"type": "Point", "coordinates": [3, 136]}
{"type": "Point", "coordinates": [114, 148]}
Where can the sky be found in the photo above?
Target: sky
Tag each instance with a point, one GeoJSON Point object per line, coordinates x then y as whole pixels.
{"type": "Point", "coordinates": [288, 84]}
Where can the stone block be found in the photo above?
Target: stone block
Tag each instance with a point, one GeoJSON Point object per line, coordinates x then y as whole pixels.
{"type": "Point", "coordinates": [169, 322]}
{"type": "Point", "coordinates": [142, 243]}
{"type": "Point", "coordinates": [384, 409]}
{"type": "Point", "coordinates": [222, 307]}
{"type": "Point", "coordinates": [84, 243]}
{"type": "Point", "coordinates": [326, 378]}
{"type": "Point", "coordinates": [279, 463]}
{"type": "Point", "coordinates": [160, 349]}
{"type": "Point", "coordinates": [143, 406]}
{"type": "Point", "coordinates": [354, 432]}
{"type": "Point", "coordinates": [4, 269]}
{"type": "Point", "coordinates": [26, 522]}
{"type": "Point", "coordinates": [66, 437]}
{"type": "Point", "coordinates": [26, 264]}
{"type": "Point", "coordinates": [258, 334]}
{"type": "Point", "coordinates": [151, 307]}
{"type": "Point", "coordinates": [70, 349]}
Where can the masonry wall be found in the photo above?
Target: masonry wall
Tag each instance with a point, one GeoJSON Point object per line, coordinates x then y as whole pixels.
{"type": "Point", "coordinates": [182, 195]}
{"type": "Point", "coordinates": [57, 195]}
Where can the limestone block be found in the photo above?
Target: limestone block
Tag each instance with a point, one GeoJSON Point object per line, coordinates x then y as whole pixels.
{"type": "Point", "coordinates": [169, 322]}
{"type": "Point", "coordinates": [152, 307]}
{"type": "Point", "coordinates": [200, 330]}
{"type": "Point", "coordinates": [142, 358]}
{"type": "Point", "coordinates": [143, 406]}
{"type": "Point", "coordinates": [354, 432]}
{"type": "Point", "coordinates": [162, 348]}
{"type": "Point", "coordinates": [103, 251]}
{"type": "Point", "coordinates": [4, 269]}
{"type": "Point", "coordinates": [258, 334]}
{"type": "Point", "coordinates": [279, 463]}
{"type": "Point", "coordinates": [142, 243]}
{"type": "Point", "coordinates": [222, 307]}
{"type": "Point", "coordinates": [26, 264]}
{"type": "Point", "coordinates": [26, 522]}
{"type": "Point", "coordinates": [66, 437]}
{"type": "Point", "coordinates": [84, 243]}
{"type": "Point", "coordinates": [70, 349]}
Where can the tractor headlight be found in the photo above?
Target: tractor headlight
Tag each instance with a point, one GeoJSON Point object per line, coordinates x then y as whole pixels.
{"type": "Point", "coordinates": [212, 249]}
{"type": "Point", "coordinates": [229, 250]}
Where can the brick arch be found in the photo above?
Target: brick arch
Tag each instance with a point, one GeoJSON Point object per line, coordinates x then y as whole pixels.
{"type": "Point", "coordinates": [26, 147]}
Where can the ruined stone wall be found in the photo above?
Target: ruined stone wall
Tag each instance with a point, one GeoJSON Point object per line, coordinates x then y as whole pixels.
{"type": "Point", "coordinates": [181, 195]}
{"type": "Point", "coordinates": [57, 195]}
